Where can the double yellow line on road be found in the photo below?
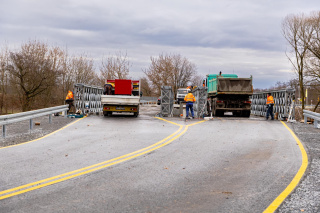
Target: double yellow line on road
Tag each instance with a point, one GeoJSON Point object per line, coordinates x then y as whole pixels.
{"type": "Point", "coordinates": [66, 176]}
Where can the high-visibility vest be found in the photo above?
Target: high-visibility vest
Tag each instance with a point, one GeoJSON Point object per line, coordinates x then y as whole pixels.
{"type": "Point", "coordinates": [270, 100]}
{"type": "Point", "coordinates": [189, 98]}
{"type": "Point", "coordinates": [69, 96]}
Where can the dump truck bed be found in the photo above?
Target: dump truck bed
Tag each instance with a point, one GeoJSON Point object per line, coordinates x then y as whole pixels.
{"type": "Point", "coordinates": [230, 86]}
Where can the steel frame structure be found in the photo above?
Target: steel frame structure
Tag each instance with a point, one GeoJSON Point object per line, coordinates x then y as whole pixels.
{"type": "Point", "coordinates": [283, 101]}
{"type": "Point", "coordinates": [88, 98]}
{"type": "Point", "coordinates": [199, 107]}
{"type": "Point", "coordinates": [167, 99]}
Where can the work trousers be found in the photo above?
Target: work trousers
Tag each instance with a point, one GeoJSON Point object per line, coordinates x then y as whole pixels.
{"type": "Point", "coordinates": [189, 105]}
{"type": "Point", "coordinates": [270, 112]}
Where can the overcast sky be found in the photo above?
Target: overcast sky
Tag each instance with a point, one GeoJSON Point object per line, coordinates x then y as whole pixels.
{"type": "Point", "coordinates": [233, 36]}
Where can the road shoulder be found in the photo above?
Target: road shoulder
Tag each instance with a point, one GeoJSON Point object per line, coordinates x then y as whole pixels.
{"type": "Point", "coordinates": [306, 196]}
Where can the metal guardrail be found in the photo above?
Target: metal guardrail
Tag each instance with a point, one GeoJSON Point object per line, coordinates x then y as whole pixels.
{"type": "Point", "coordinates": [142, 102]}
{"type": "Point", "coordinates": [17, 117]}
{"type": "Point", "coordinates": [146, 100]}
{"type": "Point", "coordinates": [315, 116]}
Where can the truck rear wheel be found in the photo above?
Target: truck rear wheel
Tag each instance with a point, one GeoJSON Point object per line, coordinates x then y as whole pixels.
{"type": "Point", "coordinates": [219, 113]}
{"type": "Point", "coordinates": [107, 114]}
{"type": "Point", "coordinates": [246, 113]}
{"type": "Point", "coordinates": [135, 114]}
{"type": "Point", "coordinates": [237, 114]}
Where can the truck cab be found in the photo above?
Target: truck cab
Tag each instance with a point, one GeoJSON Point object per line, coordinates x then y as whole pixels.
{"type": "Point", "coordinates": [181, 93]}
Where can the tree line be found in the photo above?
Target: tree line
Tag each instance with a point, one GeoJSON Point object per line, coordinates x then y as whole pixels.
{"type": "Point", "coordinates": [38, 75]}
{"type": "Point", "coordinates": [302, 33]}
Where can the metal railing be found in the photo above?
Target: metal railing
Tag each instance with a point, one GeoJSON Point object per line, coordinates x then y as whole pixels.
{"type": "Point", "coordinates": [142, 102]}
{"type": "Point", "coordinates": [146, 100]}
{"type": "Point", "coordinates": [17, 117]}
{"type": "Point", "coordinates": [315, 116]}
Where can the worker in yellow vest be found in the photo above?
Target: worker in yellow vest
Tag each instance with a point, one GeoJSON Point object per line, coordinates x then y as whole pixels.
{"type": "Point", "coordinates": [189, 99]}
{"type": "Point", "coordinates": [70, 99]}
{"type": "Point", "coordinates": [270, 103]}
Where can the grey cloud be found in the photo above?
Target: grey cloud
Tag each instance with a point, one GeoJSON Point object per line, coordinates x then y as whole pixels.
{"type": "Point", "coordinates": [214, 34]}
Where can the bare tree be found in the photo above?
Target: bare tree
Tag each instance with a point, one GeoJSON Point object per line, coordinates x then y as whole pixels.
{"type": "Point", "coordinates": [82, 70]}
{"type": "Point", "coordinates": [115, 67]}
{"type": "Point", "coordinates": [145, 87]}
{"type": "Point", "coordinates": [313, 64]}
{"type": "Point", "coordinates": [298, 32]}
{"type": "Point", "coordinates": [184, 72]}
{"type": "Point", "coordinates": [197, 80]}
{"type": "Point", "coordinates": [32, 72]}
{"type": "Point", "coordinates": [170, 70]}
{"type": "Point", "coordinates": [4, 61]}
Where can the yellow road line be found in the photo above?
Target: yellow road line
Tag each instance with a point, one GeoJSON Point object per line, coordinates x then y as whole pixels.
{"type": "Point", "coordinates": [45, 135]}
{"type": "Point", "coordinates": [180, 124]}
{"type": "Point", "coordinates": [295, 181]}
{"type": "Point", "coordinates": [66, 176]}
{"type": "Point", "coordinates": [196, 123]}
{"type": "Point", "coordinates": [89, 167]}
{"type": "Point", "coordinates": [169, 121]}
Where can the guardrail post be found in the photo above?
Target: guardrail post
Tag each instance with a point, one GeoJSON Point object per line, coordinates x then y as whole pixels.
{"type": "Point", "coordinates": [31, 124]}
{"type": "Point", "coordinates": [4, 131]}
{"type": "Point", "coordinates": [305, 119]}
{"type": "Point", "coordinates": [315, 123]}
{"type": "Point", "coordinates": [50, 118]}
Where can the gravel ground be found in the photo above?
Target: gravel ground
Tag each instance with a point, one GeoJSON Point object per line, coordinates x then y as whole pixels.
{"type": "Point", "coordinates": [20, 132]}
{"type": "Point", "coordinates": [305, 198]}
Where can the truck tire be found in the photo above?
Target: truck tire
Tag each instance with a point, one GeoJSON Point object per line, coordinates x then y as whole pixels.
{"type": "Point", "coordinates": [237, 114]}
{"type": "Point", "coordinates": [135, 114]}
{"type": "Point", "coordinates": [106, 114]}
{"type": "Point", "coordinates": [246, 113]}
{"type": "Point", "coordinates": [219, 113]}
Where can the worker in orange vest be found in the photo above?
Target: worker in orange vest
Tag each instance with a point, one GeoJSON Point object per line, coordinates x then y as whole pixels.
{"type": "Point", "coordinates": [70, 99]}
{"type": "Point", "coordinates": [270, 103]}
{"type": "Point", "coordinates": [189, 99]}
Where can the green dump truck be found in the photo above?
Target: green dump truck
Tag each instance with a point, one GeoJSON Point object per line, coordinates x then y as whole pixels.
{"type": "Point", "coordinates": [228, 93]}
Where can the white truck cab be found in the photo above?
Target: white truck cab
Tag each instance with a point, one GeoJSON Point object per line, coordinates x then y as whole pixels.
{"type": "Point", "coordinates": [181, 93]}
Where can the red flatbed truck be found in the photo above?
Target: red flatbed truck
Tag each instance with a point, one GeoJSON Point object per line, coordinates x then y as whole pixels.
{"type": "Point", "coordinates": [124, 98]}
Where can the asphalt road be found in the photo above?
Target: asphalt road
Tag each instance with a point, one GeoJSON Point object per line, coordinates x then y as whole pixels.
{"type": "Point", "coordinates": [146, 164]}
